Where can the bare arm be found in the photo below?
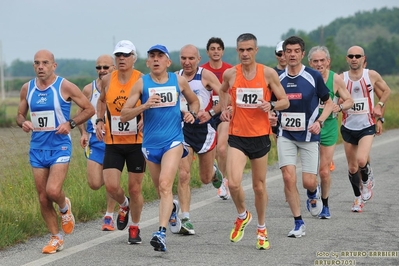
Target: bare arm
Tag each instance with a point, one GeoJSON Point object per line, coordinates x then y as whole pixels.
{"type": "Point", "coordinates": [282, 102]}
{"type": "Point", "coordinates": [23, 108]}
{"type": "Point", "coordinates": [191, 98]}
{"type": "Point", "coordinates": [340, 87]}
{"type": "Point", "coordinates": [129, 110]}
{"type": "Point", "coordinates": [381, 85]}
{"type": "Point", "coordinates": [87, 91]}
{"type": "Point", "coordinates": [210, 81]}
{"type": "Point", "coordinates": [224, 96]}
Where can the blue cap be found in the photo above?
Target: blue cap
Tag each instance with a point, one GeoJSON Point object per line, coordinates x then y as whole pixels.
{"type": "Point", "coordinates": [160, 48]}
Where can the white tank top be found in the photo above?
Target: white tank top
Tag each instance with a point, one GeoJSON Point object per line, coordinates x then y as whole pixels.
{"type": "Point", "coordinates": [362, 92]}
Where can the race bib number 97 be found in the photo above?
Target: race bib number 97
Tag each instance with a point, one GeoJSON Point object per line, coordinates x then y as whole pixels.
{"type": "Point", "coordinates": [43, 121]}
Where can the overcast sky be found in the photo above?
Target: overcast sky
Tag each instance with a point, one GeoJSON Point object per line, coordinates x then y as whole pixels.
{"type": "Point", "coordinates": [88, 28]}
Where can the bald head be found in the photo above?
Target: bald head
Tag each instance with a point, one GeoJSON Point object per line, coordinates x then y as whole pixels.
{"type": "Point", "coordinates": [356, 50]}
{"type": "Point", "coordinates": [192, 49]}
{"type": "Point", "coordinates": [105, 59]}
{"type": "Point", "coordinates": [44, 54]}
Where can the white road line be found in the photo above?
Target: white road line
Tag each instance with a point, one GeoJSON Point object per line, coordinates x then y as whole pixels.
{"type": "Point", "coordinates": [100, 240]}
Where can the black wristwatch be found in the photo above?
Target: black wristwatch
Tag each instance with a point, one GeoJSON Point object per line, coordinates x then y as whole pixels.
{"type": "Point", "coordinates": [381, 119]}
{"type": "Point", "coordinates": [272, 105]}
{"type": "Point", "coordinates": [72, 123]}
{"type": "Point", "coordinates": [193, 114]}
{"type": "Point", "coordinates": [212, 112]}
{"type": "Point", "coordinates": [99, 120]}
{"type": "Point", "coordinates": [321, 123]}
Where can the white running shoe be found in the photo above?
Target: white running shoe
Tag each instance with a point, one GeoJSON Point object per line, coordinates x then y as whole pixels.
{"type": "Point", "coordinates": [174, 220]}
{"type": "Point", "coordinates": [223, 191]}
{"type": "Point", "coordinates": [314, 203]}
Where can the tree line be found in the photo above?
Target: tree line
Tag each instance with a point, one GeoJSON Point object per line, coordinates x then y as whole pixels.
{"type": "Point", "coordinates": [376, 31]}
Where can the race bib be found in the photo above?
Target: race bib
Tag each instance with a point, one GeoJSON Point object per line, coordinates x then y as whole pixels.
{"type": "Point", "coordinates": [215, 99]}
{"type": "Point", "coordinates": [127, 128]}
{"type": "Point", "coordinates": [43, 120]}
{"type": "Point", "coordinates": [168, 96]}
{"type": "Point", "coordinates": [248, 97]}
{"type": "Point", "coordinates": [359, 107]}
{"type": "Point", "coordinates": [293, 121]}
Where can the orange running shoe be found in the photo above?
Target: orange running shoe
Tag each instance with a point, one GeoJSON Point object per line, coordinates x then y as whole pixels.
{"type": "Point", "coordinates": [238, 230]}
{"type": "Point", "coordinates": [55, 244]}
{"type": "Point", "coordinates": [108, 224]}
{"type": "Point", "coordinates": [263, 241]}
{"type": "Point", "coordinates": [67, 219]}
{"type": "Point", "coordinates": [332, 166]}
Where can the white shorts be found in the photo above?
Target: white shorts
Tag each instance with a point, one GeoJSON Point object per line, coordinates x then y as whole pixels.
{"type": "Point", "coordinates": [308, 152]}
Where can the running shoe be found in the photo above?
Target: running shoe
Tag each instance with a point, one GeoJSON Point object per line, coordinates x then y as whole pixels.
{"type": "Point", "coordinates": [123, 216]}
{"type": "Point", "coordinates": [299, 229]}
{"type": "Point", "coordinates": [325, 213]}
{"type": "Point", "coordinates": [332, 166]}
{"type": "Point", "coordinates": [358, 205]}
{"type": "Point", "coordinates": [187, 227]}
{"type": "Point", "coordinates": [237, 232]}
{"type": "Point", "coordinates": [371, 177]}
{"type": "Point", "coordinates": [314, 203]}
{"type": "Point", "coordinates": [108, 224]}
{"type": "Point", "coordinates": [174, 220]}
{"type": "Point", "coordinates": [134, 235]}
{"type": "Point", "coordinates": [158, 241]}
{"type": "Point", "coordinates": [217, 178]}
{"type": "Point", "coordinates": [223, 191]}
{"type": "Point", "coordinates": [262, 241]}
{"type": "Point", "coordinates": [67, 219]}
{"type": "Point", "coordinates": [55, 244]}
{"type": "Point", "coordinates": [367, 190]}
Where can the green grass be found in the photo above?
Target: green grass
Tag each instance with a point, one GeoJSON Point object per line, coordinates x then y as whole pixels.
{"type": "Point", "coordinates": [20, 216]}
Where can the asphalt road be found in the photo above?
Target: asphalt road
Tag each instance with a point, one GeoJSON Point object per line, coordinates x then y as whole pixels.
{"type": "Point", "coordinates": [367, 238]}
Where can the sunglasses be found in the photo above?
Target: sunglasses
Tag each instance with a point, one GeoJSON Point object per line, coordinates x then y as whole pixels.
{"type": "Point", "coordinates": [357, 56]}
{"type": "Point", "coordinates": [279, 54]}
{"type": "Point", "coordinates": [103, 67]}
{"type": "Point", "coordinates": [123, 54]}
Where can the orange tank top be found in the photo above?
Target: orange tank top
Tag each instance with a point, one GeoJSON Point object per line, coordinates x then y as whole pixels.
{"type": "Point", "coordinates": [247, 119]}
{"type": "Point", "coordinates": [117, 132]}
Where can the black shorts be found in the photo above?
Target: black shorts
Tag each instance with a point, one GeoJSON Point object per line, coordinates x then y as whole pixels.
{"type": "Point", "coordinates": [116, 155]}
{"type": "Point", "coordinates": [215, 121]}
{"type": "Point", "coordinates": [252, 147]}
{"type": "Point", "coordinates": [353, 136]}
{"type": "Point", "coordinates": [200, 137]}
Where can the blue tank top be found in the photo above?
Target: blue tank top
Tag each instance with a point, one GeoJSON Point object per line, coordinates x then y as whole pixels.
{"type": "Point", "coordinates": [48, 110]}
{"type": "Point", "coordinates": [162, 123]}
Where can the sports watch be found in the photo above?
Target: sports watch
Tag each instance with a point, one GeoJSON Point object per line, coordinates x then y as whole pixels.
{"type": "Point", "coordinates": [72, 123]}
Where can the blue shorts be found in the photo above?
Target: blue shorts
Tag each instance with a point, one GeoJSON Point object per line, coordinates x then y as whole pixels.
{"type": "Point", "coordinates": [155, 154]}
{"type": "Point", "coordinates": [95, 150]}
{"type": "Point", "coordinates": [47, 158]}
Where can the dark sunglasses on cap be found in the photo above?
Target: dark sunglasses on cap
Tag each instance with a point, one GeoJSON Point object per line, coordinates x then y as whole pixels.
{"type": "Point", "coordinates": [123, 54]}
{"type": "Point", "coordinates": [103, 67]}
{"type": "Point", "coordinates": [279, 54]}
{"type": "Point", "coordinates": [357, 56]}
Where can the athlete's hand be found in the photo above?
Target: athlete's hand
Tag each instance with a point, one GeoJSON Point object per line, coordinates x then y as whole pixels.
{"type": "Point", "coordinates": [27, 126]}
{"type": "Point", "coordinates": [378, 128]}
{"type": "Point", "coordinates": [153, 100]}
{"type": "Point", "coordinates": [188, 117]}
{"type": "Point", "coordinates": [63, 128]}
{"type": "Point", "coordinates": [315, 128]}
{"type": "Point", "coordinates": [264, 105]}
{"type": "Point", "coordinates": [225, 115]}
{"type": "Point", "coordinates": [203, 116]}
{"type": "Point", "coordinates": [100, 129]}
{"type": "Point", "coordinates": [83, 140]}
{"type": "Point", "coordinates": [272, 118]}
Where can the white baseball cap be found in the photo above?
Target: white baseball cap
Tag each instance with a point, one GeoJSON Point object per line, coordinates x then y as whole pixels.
{"type": "Point", "coordinates": [125, 46]}
{"type": "Point", "coordinates": [279, 47]}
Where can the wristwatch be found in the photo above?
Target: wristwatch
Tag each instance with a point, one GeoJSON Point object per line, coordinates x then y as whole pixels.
{"type": "Point", "coordinates": [72, 123]}
{"type": "Point", "coordinates": [212, 112]}
{"type": "Point", "coordinates": [381, 119]}
{"type": "Point", "coordinates": [272, 105]}
{"type": "Point", "coordinates": [381, 104]}
{"type": "Point", "coordinates": [341, 107]}
{"type": "Point", "coordinates": [321, 123]}
{"type": "Point", "coordinates": [193, 114]}
{"type": "Point", "coordinates": [99, 120]}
